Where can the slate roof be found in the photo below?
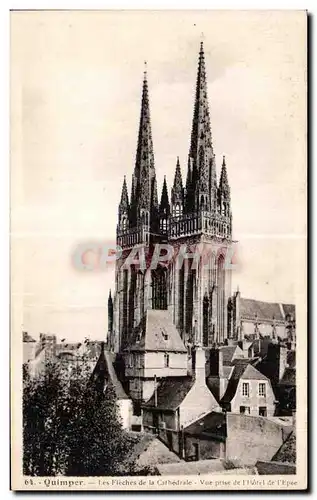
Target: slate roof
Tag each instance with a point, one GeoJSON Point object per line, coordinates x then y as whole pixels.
{"type": "Point", "coordinates": [156, 332]}
{"type": "Point", "coordinates": [230, 352]}
{"type": "Point", "coordinates": [260, 346]}
{"type": "Point", "coordinates": [289, 309]}
{"type": "Point", "coordinates": [212, 424]}
{"type": "Point", "coordinates": [104, 373]}
{"type": "Point", "coordinates": [243, 371]}
{"type": "Point", "coordinates": [289, 377]}
{"type": "Point", "coordinates": [171, 393]}
{"type": "Point", "coordinates": [249, 308]}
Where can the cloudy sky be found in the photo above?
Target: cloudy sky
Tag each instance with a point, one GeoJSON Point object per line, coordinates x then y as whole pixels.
{"type": "Point", "coordinates": [75, 91]}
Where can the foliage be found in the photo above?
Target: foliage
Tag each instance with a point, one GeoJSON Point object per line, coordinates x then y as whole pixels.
{"type": "Point", "coordinates": [70, 425]}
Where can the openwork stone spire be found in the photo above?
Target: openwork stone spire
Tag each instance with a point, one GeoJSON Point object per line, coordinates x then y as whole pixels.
{"type": "Point", "coordinates": [164, 205]}
{"type": "Point", "coordinates": [224, 191]}
{"type": "Point", "coordinates": [201, 189]}
{"type": "Point", "coordinates": [177, 194]}
{"type": "Point", "coordinates": [144, 190]}
{"type": "Point", "coordinates": [223, 183]}
{"type": "Point", "coordinates": [124, 202]}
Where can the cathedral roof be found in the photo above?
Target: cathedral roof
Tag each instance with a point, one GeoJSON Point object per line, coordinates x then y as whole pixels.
{"type": "Point", "coordinates": [171, 393]}
{"type": "Point", "coordinates": [157, 332]}
{"type": "Point", "coordinates": [250, 308]}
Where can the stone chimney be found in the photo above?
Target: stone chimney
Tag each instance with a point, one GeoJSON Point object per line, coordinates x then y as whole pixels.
{"type": "Point", "coordinates": [199, 365]}
{"type": "Point", "coordinates": [277, 358]}
{"type": "Point", "coordinates": [216, 363]}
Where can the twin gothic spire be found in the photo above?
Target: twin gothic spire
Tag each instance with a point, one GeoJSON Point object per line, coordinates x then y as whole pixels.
{"type": "Point", "coordinates": [201, 191]}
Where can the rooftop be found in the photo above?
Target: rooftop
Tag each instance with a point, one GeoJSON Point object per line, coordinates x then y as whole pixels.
{"type": "Point", "coordinates": [170, 393]}
{"type": "Point", "coordinates": [156, 332]}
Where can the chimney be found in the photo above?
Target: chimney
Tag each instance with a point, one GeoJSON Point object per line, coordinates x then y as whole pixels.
{"type": "Point", "coordinates": [282, 360]}
{"type": "Point", "coordinates": [199, 365]}
{"type": "Point", "coordinates": [155, 392]}
{"type": "Point", "coordinates": [216, 362]}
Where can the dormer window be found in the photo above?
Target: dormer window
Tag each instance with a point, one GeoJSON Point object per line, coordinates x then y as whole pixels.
{"type": "Point", "coordinates": [165, 335]}
{"type": "Point", "coordinates": [166, 360]}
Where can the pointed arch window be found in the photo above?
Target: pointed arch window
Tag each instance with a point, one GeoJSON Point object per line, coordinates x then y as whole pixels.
{"type": "Point", "coordinates": [124, 222]}
{"type": "Point", "coordinates": [159, 288]}
{"type": "Point", "coordinates": [205, 321]}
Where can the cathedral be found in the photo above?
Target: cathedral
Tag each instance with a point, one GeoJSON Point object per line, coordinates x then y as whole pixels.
{"type": "Point", "coordinates": [162, 319]}
{"type": "Point", "coordinates": [197, 212]}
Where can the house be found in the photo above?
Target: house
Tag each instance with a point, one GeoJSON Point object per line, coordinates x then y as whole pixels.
{"type": "Point", "coordinates": [156, 352]}
{"type": "Point", "coordinates": [248, 392]}
{"type": "Point", "coordinates": [279, 365]}
{"type": "Point", "coordinates": [179, 401]}
{"type": "Point", "coordinates": [104, 375]}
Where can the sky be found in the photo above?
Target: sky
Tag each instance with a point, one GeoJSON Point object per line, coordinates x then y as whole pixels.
{"type": "Point", "coordinates": [76, 80]}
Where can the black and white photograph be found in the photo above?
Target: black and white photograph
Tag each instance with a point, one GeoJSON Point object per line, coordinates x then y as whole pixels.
{"type": "Point", "coordinates": [158, 250]}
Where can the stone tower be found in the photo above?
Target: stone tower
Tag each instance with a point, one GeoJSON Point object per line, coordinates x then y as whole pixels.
{"type": "Point", "coordinates": [197, 218]}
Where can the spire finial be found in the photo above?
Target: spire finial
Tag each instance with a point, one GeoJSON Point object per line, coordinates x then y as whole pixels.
{"type": "Point", "coordinates": [145, 70]}
{"type": "Point", "coordinates": [223, 161]}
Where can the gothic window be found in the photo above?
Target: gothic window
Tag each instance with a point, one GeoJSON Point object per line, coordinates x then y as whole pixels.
{"type": "Point", "coordinates": [164, 225]}
{"type": "Point", "coordinates": [176, 210]}
{"type": "Point", "coordinates": [125, 303]}
{"type": "Point", "coordinates": [124, 223]}
{"type": "Point", "coordinates": [221, 295]}
{"type": "Point", "coordinates": [159, 289]}
{"type": "Point", "coordinates": [190, 300]}
{"type": "Point", "coordinates": [205, 320]}
{"type": "Point", "coordinates": [132, 297]}
{"type": "Point", "coordinates": [181, 299]}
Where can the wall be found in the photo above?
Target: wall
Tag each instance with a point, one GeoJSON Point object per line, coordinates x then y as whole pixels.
{"type": "Point", "coordinates": [264, 328]}
{"type": "Point", "coordinates": [254, 401]}
{"type": "Point", "coordinates": [208, 448]}
{"type": "Point", "coordinates": [152, 363]}
{"type": "Point", "coordinates": [198, 402]}
{"type": "Point", "coordinates": [169, 418]}
{"type": "Point", "coordinates": [139, 388]}
{"type": "Point", "coordinates": [250, 439]}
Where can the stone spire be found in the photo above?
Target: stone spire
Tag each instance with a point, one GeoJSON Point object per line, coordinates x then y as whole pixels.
{"type": "Point", "coordinates": [164, 205]}
{"type": "Point", "coordinates": [144, 190]}
{"type": "Point", "coordinates": [224, 191]}
{"type": "Point", "coordinates": [177, 193]}
{"type": "Point", "coordinates": [203, 184]}
{"type": "Point", "coordinates": [124, 202]}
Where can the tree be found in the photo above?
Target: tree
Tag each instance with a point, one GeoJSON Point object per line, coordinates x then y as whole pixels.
{"type": "Point", "coordinates": [71, 425]}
